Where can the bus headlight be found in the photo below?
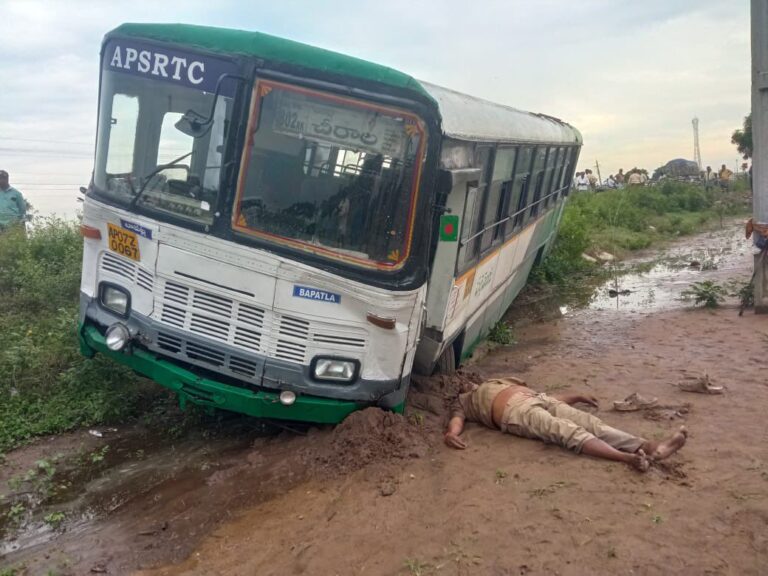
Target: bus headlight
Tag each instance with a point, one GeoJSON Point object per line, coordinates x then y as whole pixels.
{"type": "Point", "coordinates": [117, 337]}
{"type": "Point", "coordinates": [115, 299]}
{"type": "Point", "coordinates": [335, 369]}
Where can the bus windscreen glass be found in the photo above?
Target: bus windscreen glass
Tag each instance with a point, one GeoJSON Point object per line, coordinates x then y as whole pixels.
{"type": "Point", "coordinates": [331, 175]}
{"type": "Point", "coordinates": [146, 154]}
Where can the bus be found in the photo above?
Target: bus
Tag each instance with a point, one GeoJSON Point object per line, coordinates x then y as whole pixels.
{"type": "Point", "coordinates": [287, 232]}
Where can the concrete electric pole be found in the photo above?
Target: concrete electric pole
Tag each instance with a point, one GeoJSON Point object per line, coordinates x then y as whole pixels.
{"type": "Point", "coordinates": [760, 148]}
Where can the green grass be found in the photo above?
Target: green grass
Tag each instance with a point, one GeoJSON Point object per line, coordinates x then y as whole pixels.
{"type": "Point", "coordinates": [45, 385]}
{"type": "Point", "coordinates": [621, 221]}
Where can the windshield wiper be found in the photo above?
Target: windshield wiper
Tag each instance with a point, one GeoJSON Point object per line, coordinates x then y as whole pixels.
{"type": "Point", "coordinates": [155, 172]}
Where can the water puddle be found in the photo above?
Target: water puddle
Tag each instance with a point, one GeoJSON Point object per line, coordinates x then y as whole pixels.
{"type": "Point", "coordinates": [649, 284]}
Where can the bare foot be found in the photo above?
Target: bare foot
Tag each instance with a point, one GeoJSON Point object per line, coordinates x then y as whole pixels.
{"type": "Point", "coordinates": [669, 446]}
{"type": "Point", "coordinates": [640, 461]}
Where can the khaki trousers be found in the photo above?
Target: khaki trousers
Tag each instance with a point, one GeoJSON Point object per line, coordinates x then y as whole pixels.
{"type": "Point", "coordinates": [555, 422]}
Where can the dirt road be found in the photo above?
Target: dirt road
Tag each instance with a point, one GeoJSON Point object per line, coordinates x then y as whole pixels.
{"type": "Point", "coordinates": [399, 502]}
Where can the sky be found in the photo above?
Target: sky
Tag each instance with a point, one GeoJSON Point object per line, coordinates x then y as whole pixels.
{"type": "Point", "coordinates": [629, 75]}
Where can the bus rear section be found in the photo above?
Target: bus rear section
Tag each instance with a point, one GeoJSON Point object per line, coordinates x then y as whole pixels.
{"type": "Point", "coordinates": [251, 242]}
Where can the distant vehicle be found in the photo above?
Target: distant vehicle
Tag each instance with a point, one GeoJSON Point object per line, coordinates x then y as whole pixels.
{"type": "Point", "coordinates": [679, 169]}
{"type": "Point", "coordinates": [287, 232]}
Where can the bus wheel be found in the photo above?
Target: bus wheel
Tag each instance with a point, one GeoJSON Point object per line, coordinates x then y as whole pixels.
{"type": "Point", "coordinates": [446, 364]}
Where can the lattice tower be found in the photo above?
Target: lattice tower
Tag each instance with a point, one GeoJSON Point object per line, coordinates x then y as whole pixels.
{"type": "Point", "coordinates": [696, 149]}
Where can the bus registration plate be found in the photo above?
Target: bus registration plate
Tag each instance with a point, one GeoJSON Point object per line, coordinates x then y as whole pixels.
{"type": "Point", "coordinates": [124, 242]}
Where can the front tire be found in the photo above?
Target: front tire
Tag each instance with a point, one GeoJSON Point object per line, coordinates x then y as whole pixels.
{"type": "Point", "coordinates": [446, 364]}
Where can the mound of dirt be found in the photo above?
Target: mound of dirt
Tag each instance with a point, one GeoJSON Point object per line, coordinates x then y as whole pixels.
{"type": "Point", "coordinates": [374, 435]}
{"type": "Point", "coordinates": [436, 394]}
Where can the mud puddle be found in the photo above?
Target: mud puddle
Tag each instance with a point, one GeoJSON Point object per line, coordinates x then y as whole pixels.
{"type": "Point", "coordinates": [134, 499]}
{"type": "Point", "coordinates": [650, 283]}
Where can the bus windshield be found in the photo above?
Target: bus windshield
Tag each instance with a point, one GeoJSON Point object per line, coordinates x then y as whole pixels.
{"type": "Point", "coordinates": [144, 157]}
{"type": "Point", "coordinates": [330, 175]}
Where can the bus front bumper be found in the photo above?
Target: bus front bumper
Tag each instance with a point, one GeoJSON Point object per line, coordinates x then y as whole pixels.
{"type": "Point", "coordinates": [206, 392]}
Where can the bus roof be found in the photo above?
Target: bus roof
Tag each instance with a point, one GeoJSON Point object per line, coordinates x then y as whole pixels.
{"type": "Point", "coordinates": [469, 118]}
{"type": "Point", "coordinates": [464, 117]}
{"type": "Point", "coordinates": [259, 45]}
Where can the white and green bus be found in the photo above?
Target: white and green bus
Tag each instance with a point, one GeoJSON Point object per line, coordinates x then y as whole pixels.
{"type": "Point", "coordinates": [288, 232]}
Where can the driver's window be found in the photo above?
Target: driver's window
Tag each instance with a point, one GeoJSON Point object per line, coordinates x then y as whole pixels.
{"type": "Point", "coordinates": [174, 143]}
{"type": "Point", "coordinates": [122, 134]}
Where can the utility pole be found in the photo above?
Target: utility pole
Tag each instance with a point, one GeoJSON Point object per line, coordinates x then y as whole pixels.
{"type": "Point", "coordinates": [696, 149]}
{"type": "Point", "coordinates": [760, 150]}
{"type": "Point", "coordinates": [597, 167]}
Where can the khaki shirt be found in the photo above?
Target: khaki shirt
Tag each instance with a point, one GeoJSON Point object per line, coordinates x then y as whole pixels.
{"type": "Point", "coordinates": [477, 405]}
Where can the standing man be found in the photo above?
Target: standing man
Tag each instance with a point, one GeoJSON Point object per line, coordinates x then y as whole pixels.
{"type": "Point", "coordinates": [725, 178]}
{"type": "Point", "coordinates": [620, 178]}
{"type": "Point", "coordinates": [13, 207]}
{"type": "Point", "coordinates": [592, 180]}
{"type": "Point", "coordinates": [709, 178]}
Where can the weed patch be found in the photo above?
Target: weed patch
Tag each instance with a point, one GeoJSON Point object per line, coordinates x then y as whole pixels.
{"type": "Point", "coordinates": [46, 385]}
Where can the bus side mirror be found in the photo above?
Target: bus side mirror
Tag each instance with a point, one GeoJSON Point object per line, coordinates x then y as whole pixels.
{"type": "Point", "coordinates": [192, 124]}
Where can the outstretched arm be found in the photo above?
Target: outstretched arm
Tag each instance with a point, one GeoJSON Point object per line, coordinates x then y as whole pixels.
{"type": "Point", "coordinates": [572, 399]}
{"type": "Point", "coordinates": [452, 432]}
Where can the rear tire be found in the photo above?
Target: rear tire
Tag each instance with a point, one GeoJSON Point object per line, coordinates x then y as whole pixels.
{"type": "Point", "coordinates": [446, 364]}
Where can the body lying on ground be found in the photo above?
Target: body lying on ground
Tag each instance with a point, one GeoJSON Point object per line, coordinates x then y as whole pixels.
{"type": "Point", "coordinates": [507, 404]}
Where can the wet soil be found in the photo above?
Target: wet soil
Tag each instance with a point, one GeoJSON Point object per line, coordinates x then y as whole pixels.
{"type": "Point", "coordinates": [380, 494]}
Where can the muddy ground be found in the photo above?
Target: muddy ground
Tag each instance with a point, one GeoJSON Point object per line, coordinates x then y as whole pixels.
{"type": "Point", "coordinates": [381, 495]}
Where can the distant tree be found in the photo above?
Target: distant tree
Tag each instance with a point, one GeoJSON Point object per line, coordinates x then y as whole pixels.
{"type": "Point", "coordinates": [742, 138]}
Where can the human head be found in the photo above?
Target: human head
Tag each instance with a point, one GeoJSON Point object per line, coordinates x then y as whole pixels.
{"type": "Point", "coordinates": [723, 168]}
{"type": "Point", "coordinates": [3, 180]}
{"type": "Point", "coordinates": [709, 168]}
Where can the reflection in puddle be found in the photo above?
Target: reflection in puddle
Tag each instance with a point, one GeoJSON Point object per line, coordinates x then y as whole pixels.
{"type": "Point", "coordinates": [719, 256]}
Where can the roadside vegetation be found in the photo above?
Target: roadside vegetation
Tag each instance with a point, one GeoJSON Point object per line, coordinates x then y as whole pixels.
{"type": "Point", "coordinates": [46, 386]}
{"type": "Point", "coordinates": [621, 221]}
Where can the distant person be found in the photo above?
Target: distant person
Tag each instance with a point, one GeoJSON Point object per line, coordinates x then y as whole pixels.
{"type": "Point", "coordinates": [13, 207]}
{"type": "Point", "coordinates": [725, 178]}
{"type": "Point", "coordinates": [634, 179]}
{"type": "Point", "coordinates": [507, 404]}
{"type": "Point", "coordinates": [709, 178]}
{"type": "Point", "coordinates": [620, 178]}
{"type": "Point", "coordinates": [582, 182]}
{"type": "Point", "coordinates": [592, 179]}
{"type": "Point", "coordinates": [643, 178]}
{"type": "Point", "coordinates": [610, 182]}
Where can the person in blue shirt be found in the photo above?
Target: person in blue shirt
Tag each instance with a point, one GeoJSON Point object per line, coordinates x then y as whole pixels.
{"type": "Point", "coordinates": [13, 207]}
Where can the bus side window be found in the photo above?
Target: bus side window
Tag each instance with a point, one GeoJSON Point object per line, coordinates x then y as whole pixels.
{"type": "Point", "coordinates": [549, 181]}
{"type": "Point", "coordinates": [557, 178]}
{"type": "Point", "coordinates": [466, 253]}
{"type": "Point", "coordinates": [496, 203]}
{"type": "Point", "coordinates": [483, 161]}
{"type": "Point", "coordinates": [568, 174]}
{"type": "Point", "coordinates": [539, 163]}
{"type": "Point", "coordinates": [520, 186]}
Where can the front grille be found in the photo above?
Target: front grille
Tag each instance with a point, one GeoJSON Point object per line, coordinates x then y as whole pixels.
{"type": "Point", "coordinates": [247, 327]}
{"type": "Point", "coordinates": [198, 353]}
{"type": "Point", "coordinates": [118, 266]}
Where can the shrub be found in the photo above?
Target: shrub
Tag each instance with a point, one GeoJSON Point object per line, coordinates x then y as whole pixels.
{"type": "Point", "coordinates": [46, 386]}
{"type": "Point", "coordinates": [705, 292]}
